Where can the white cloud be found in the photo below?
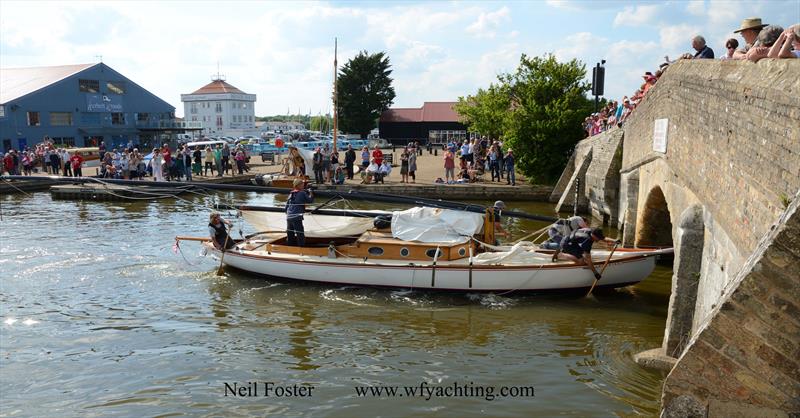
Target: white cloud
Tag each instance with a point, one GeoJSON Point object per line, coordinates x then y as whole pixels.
{"type": "Point", "coordinates": [637, 15]}
{"type": "Point", "coordinates": [579, 45]}
{"type": "Point", "coordinates": [676, 39]}
{"type": "Point", "coordinates": [487, 23]}
{"type": "Point", "coordinates": [696, 7]}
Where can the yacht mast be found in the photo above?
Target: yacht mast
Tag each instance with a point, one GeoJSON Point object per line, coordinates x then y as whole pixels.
{"type": "Point", "coordinates": [335, 99]}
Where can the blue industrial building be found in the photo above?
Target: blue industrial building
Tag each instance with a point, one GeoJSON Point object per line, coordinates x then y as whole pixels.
{"type": "Point", "coordinates": [81, 105]}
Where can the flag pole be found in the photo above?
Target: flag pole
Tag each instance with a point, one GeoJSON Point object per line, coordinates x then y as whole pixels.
{"type": "Point", "coordinates": [335, 74]}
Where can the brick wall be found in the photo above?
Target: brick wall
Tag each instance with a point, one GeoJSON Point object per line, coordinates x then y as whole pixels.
{"type": "Point", "coordinates": [733, 138]}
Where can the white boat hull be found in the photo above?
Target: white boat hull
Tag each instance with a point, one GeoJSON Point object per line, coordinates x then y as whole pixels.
{"type": "Point", "coordinates": [457, 275]}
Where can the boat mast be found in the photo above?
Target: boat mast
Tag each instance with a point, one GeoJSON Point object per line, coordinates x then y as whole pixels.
{"type": "Point", "coordinates": [335, 101]}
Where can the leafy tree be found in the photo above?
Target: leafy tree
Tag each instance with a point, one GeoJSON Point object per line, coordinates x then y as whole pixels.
{"type": "Point", "coordinates": [486, 111]}
{"type": "Point", "coordinates": [538, 111]}
{"type": "Point", "coordinates": [322, 123]}
{"type": "Point", "coordinates": [365, 91]}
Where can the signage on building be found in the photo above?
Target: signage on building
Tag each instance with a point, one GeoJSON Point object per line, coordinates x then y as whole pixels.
{"type": "Point", "coordinates": [660, 135]}
{"type": "Point", "coordinates": [103, 103]}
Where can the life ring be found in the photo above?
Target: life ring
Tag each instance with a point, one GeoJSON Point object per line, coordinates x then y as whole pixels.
{"type": "Point", "coordinates": [279, 143]}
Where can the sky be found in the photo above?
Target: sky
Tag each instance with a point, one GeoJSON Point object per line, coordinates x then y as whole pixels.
{"type": "Point", "coordinates": [439, 50]}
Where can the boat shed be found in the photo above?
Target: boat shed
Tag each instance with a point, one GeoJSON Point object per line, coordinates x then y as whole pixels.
{"type": "Point", "coordinates": [434, 122]}
{"type": "Point", "coordinates": [80, 106]}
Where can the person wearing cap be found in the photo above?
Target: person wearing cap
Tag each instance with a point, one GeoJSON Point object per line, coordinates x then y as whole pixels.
{"type": "Point", "coordinates": [577, 247]}
{"type": "Point", "coordinates": [749, 29]}
{"type": "Point", "coordinates": [218, 231]}
{"type": "Point", "coordinates": [295, 208]}
{"type": "Point", "coordinates": [560, 229]}
{"type": "Point", "coordinates": [498, 208]}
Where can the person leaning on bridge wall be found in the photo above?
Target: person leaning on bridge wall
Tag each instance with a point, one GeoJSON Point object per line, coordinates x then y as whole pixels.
{"type": "Point", "coordinates": [749, 29]}
{"type": "Point", "coordinates": [790, 38]}
{"type": "Point", "coordinates": [766, 38]}
{"type": "Point", "coordinates": [730, 48]}
{"type": "Point", "coordinates": [703, 51]}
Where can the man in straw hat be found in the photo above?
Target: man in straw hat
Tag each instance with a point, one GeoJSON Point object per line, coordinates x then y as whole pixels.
{"type": "Point", "coordinates": [749, 30]}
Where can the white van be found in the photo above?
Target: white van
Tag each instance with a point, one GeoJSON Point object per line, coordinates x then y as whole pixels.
{"type": "Point", "coordinates": [213, 144]}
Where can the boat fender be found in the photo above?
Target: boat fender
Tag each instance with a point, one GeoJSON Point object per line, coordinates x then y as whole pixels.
{"type": "Point", "coordinates": [331, 250]}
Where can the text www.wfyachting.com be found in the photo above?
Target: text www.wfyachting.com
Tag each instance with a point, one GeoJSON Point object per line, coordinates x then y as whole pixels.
{"type": "Point", "coordinates": [454, 390]}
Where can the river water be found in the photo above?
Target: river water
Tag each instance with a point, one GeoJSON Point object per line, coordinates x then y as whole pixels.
{"type": "Point", "coordinates": [101, 318]}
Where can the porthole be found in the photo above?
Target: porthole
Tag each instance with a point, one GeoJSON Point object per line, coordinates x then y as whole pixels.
{"type": "Point", "coordinates": [375, 251]}
{"type": "Point", "coordinates": [462, 251]}
{"type": "Point", "coordinates": [432, 252]}
{"type": "Point", "coordinates": [404, 252]}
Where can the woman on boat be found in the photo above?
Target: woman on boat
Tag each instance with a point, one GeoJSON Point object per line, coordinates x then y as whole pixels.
{"type": "Point", "coordinates": [219, 233]}
{"type": "Point", "coordinates": [560, 229]}
{"type": "Point", "coordinates": [295, 208]}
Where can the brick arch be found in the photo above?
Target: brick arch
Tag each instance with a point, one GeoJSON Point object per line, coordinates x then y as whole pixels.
{"type": "Point", "coordinates": [655, 224]}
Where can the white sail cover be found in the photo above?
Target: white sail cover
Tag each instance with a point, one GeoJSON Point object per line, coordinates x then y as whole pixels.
{"type": "Point", "coordinates": [308, 157]}
{"type": "Point", "coordinates": [316, 226]}
{"type": "Point", "coordinates": [424, 224]}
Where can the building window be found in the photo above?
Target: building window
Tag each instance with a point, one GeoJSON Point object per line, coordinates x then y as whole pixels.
{"type": "Point", "coordinates": [142, 117]}
{"type": "Point", "coordinates": [244, 105]}
{"type": "Point", "coordinates": [60, 118]}
{"type": "Point", "coordinates": [219, 121]}
{"type": "Point", "coordinates": [89, 86]}
{"type": "Point", "coordinates": [33, 119]}
{"type": "Point", "coordinates": [117, 118]}
{"type": "Point", "coordinates": [116, 87]}
{"type": "Point", "coordinates": [66, 142]}
{"type": "Point", "coordinates": [219, 107]}
{"type": "Point", "coordinates": [90, 118]}
{"type": "Point", "coordinates": [2, 111]}
{"type": "Point", "coordinates": [194, 118]}
{"type": "Point", "coordinates": [193, 108]}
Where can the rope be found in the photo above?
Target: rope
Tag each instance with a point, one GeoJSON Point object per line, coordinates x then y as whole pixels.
{"type": "Point", "coordinates": [17, 188]}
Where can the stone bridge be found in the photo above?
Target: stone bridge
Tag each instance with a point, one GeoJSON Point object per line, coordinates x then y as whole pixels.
{"type": "Point", "coordinates": [723, 189]}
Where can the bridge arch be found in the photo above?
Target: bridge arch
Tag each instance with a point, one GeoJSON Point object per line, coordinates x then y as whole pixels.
{"type": "Point", "coordinates": [655, 225]}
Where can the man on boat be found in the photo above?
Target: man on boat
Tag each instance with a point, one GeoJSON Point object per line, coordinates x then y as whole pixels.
{"type": "Point", "coordinates": [218, 231]}
{"type": "Point", "coordinates": [577, 247]}
{"type": "Point", "coordinates": [295, 208]}
{"type": "Point", "coordinates": [560, 229]}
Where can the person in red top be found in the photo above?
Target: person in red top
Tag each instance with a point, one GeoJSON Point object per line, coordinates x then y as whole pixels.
{"type": "Point", "coordinates": [8, 163]}
{"type": "Point", "coordinates": [77, 162]}
{"type": "Point", "coordinates": [377, 156]}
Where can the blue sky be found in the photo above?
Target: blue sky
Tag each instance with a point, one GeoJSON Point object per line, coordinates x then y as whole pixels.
{"type": "Point", "coordinates": [283, 52]}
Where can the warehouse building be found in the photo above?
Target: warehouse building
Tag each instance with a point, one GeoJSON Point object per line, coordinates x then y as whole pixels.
{"type": "Point", "coordinates": [434, 122]}
{"type": "Point", "coordinates": [81, 105]}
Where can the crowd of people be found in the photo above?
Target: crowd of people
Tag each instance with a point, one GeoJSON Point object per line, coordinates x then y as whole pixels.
{"type": "Point", "coordinates": [45, 157]}
{"type": "Point", "coordinates": [760, 41]}
{"type": "Point", "coordinates": [476, 157]}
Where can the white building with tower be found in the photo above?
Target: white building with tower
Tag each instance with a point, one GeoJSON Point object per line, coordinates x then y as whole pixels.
{"type": "Point", "coordinates": [223, 109]}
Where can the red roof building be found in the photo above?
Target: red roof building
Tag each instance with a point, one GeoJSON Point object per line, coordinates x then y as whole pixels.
{"type": "Point", "coordinates": [435, 122]}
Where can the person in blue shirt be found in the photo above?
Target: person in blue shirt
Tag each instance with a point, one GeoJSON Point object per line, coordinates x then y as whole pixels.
{"type": "Point", "coordinates": [508, 161]}
{"type": "Point", "coordinates": [577, 247]}
{"type": "Point", "coordinates": [295, 208]}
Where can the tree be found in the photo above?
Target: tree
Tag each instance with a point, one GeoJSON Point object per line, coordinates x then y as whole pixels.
{"type": "Point", "coordinates": [485, 112]}
{"type": "Point", "coordinates": [537, 110]}
{"type": "Point", "coordinates": [365, 91]}
{"type": "Point", "coordinates": [321, 123]}
{"type": "Point", "coordinates": [548, 105]}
